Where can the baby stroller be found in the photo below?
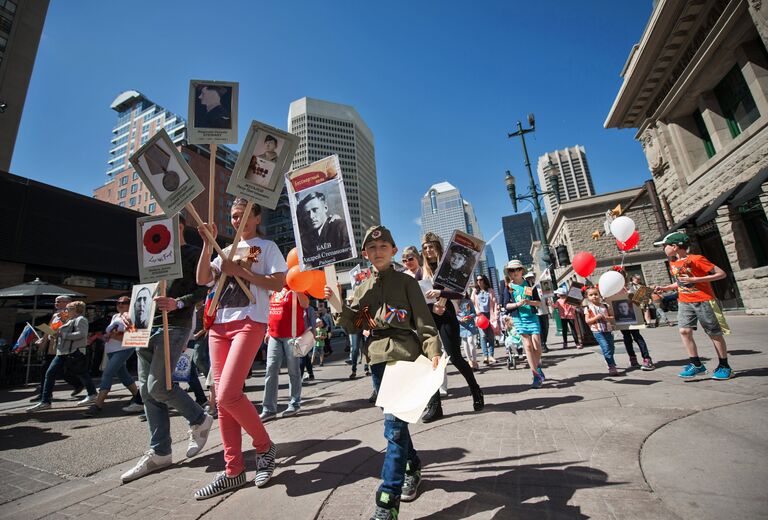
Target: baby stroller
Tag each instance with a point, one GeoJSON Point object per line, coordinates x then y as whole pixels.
{"type": "Point", "coordinates": [513, 344]}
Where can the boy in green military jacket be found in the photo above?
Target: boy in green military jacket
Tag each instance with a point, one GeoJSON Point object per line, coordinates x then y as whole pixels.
{"type": "Point", "coordinates": [391, 305]}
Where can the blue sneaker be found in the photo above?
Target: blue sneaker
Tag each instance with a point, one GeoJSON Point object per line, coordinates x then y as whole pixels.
{"type": "Point", "coordinates": [537, 381]}
{"type": "Point", "coordinates": [692, 370]}
{"type": "Point", "coordinates": [541, 374]}
{"type": "Point", "coordinates": [722, 373]}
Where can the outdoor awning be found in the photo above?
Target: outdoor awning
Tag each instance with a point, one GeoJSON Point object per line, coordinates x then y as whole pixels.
{"type": "Point", "coordinates": [751, 189]}
{"type": "Point", "coordinates": [710, 211]}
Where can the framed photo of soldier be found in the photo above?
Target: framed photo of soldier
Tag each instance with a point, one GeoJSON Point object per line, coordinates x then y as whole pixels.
{"type": "Point", "coordinates": [320, 214]}
{"type": "Point", "coordinates": [624, 312]}
{"type": "Point", "coordinates": [212, 112]}
{"type": "Point", "coordinates": [459, 261]}
{"type": "Point", "coordinates": [166, 174]}
{"type": "Point", "coordinates": [141, 314]}
{"type": "Point", "coordinates": [159, 249]}
{"type": "Point", "coordinates": [259, 173]}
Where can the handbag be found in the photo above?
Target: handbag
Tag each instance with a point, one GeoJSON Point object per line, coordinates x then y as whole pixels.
{"type": "Point", "coordinates": [302, 345]}
{"type": "Point", "coordinates": [183, 367]}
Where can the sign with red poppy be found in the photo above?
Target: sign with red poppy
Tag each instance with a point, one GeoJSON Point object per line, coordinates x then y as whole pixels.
{"type": "Point", "coordinates": [159, 249]}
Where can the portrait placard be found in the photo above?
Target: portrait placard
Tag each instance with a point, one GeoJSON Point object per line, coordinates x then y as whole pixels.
{"type": "Point", "coordinates": [166, 174]}
{"type": "Point", "coordinates": [458, 261]}
{"type": "Point", "coordinates": [212, 112]}
{"type": "Point", "coordinates": [259, 173]}
{"type": "Point", "coordinates": [575, 293]}
{"type": "Point", "coordinates": [141, 314]}
{"type": "Point", "coordinates": [159, 256]}
{"type": "Point", "coordinates": [321, 222]}
{"type": "Point", "coordinates": [625, 313]}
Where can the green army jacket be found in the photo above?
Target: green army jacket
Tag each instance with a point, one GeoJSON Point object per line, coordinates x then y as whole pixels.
{"type": "Point", "coordinates": [404, 328]}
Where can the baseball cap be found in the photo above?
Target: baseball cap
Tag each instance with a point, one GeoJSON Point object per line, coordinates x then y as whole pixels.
{"type": "Point", "coordinates": [514, 264]}
{"type": "Point", "coordinates": [378, 233]}
{"type": "Point", "coordinates": [530, 274]}
{"type": "Point", "coordinates": [561, 291]}
{"type": "Point", "coordinates": [676, 238]}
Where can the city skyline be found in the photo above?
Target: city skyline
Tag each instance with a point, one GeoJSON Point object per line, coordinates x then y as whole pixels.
{"type": "Point", "coordinates": [460, 98]}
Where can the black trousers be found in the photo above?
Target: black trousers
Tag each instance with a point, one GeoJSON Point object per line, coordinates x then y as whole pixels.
{"type": "Point", "coordinates": [66, 375]}
{"type": "Point", "coordinates": [566, 323]}
{"type": "Point", "coordinates": [544, 324]}
{"type": "Point", "coordinates": [448, 328]}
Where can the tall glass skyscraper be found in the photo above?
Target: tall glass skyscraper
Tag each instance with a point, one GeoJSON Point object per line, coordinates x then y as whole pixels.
{"type": "Point", "coordinates": [572, 172]}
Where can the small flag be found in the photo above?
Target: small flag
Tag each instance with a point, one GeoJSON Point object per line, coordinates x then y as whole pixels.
{"type": "Point", "coordinates": [27, 336]}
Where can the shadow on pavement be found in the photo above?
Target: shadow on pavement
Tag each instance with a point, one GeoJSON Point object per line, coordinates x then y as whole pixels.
{"type": "Point", "coordinates": [21, 437]}
{"type": "Point", "coordinates": [531, 491]}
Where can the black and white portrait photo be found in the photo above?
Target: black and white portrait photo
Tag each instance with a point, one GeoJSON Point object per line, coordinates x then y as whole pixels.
{"type": "Point", "coordinates": [323, 228]}
{"type": "Point", "coordinates": [212, 112]}
{"type": "Point", "coordinates": [455, 270]}
{"type": "Point", "coordinates": [142, 305]}
{"type": "Point", "coordinates": [624, 312]}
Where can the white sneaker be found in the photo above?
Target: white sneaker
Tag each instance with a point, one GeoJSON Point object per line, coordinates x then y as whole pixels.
{"type": "Point", "coordinates": [148, 463]}
{"type": "Point", "coordinates": [133, 408]}
{"type": "Point", "coordinates": [39, 406]}
{"type": "Point", "coordinates": [198, 436]}
{"type": "Point", "coordinates": [87, 400]}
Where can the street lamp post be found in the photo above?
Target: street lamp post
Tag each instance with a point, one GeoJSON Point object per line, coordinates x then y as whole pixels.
{"type": "Point", "coordinates": [534, 194]}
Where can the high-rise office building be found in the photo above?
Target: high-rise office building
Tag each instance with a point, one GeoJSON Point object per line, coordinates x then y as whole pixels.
{"type": "Point", "coordinates": [138, 119]}
{"type": "Point", "coordinates": [490, 269]}
{"type": "Point", "coordinates": [324, 129]}
{"type": "Point", "coordinates": [519, 234]}
{"type": "Point", "coordinates": [573, 178]}
{"type": "Point", "coordinates": [21, 24]}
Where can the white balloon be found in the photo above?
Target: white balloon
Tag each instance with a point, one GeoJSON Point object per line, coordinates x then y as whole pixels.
{"type": "Point", "coordinates": [622, 228]}
{"type": "Point", "coordinates": [610, 283]}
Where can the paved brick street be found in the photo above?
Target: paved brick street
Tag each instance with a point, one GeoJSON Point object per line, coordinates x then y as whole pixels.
{"type": "Point", "coordinates": [640, 445]}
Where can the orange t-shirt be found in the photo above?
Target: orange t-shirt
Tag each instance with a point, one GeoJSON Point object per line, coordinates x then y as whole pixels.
{"type": "Point", "coordinates": [694, 266]}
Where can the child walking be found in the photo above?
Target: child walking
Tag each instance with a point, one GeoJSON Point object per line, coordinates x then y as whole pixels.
{"type": "Point", "coordinates": [695, 303]}
{"type": "Point", "coordinates": [392, 307]}
{"type": "Point", "coordinates": [600, 321]}
{"type": "Point", "coordinates": [321, 334]}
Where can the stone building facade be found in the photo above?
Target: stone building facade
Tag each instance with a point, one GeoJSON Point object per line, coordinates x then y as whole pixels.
{"type": "Point", "coordinates": [696, 89]}
{"type": "Point", "coordinates": [578, 220]}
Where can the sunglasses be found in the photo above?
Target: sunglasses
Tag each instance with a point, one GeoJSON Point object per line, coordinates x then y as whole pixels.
{"type": "Point", "coordinates": [409, 259]}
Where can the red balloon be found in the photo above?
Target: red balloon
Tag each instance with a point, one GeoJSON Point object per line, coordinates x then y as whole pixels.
{"type": "Point", "coordinates": [317, 285]}
{"type": "Point", "coordinates": [298, 280]}
{"type": "Point", "coordinates": [482, 321]}
{"type": "Point", "coordinates": [292, 258]}
{"type": "Point", "coordinates": [584, 263]}
{"type": "Point", "coordinates": [631, 242]}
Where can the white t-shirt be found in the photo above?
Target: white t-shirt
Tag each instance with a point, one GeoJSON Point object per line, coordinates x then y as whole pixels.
{"type": "Point", "coordinates": [233, 303]}
{"type": "Point", "coordinates": [113, 345]}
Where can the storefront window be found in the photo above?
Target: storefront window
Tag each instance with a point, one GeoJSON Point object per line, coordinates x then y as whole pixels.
{"type": "Point", "coordinates": [756, 227]}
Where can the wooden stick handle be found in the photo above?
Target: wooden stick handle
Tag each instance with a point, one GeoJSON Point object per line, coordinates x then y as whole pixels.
{"type": "Point", "coordinates": [196, 216]}
{"type": "Point", "coordinates": [223, 277]}
{"type": "Point", "coordinates": [166, 342]}
{"type": "Point", "coordinates": [212, 182]}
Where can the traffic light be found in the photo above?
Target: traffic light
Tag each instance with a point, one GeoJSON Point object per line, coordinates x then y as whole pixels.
{"type": "Point", "coordinates": [562, 256]}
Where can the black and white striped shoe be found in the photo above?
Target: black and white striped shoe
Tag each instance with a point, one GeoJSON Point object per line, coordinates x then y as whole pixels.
{"type": "Point", "coordinates": [265, 466]}
{"type": "Point", "coordinates": [221, 484]}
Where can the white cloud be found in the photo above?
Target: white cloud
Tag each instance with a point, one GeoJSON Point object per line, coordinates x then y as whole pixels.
{"type": "Point", "coordinates": [417, 221]}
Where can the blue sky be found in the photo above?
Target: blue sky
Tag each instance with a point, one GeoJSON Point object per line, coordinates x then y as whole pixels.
{"type": "Point", "coordinates": [440, 84]}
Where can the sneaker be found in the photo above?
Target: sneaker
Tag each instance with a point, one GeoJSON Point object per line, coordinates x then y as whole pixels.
{"type": "Point", "coordinates": [198, 436]}
{"type": "Point", "coordinates": [387, 506]}
{"type": "Point", "coordinates": [148, 463]}
{"type": "Point", "coordinates": [267, 416]}
{"type": "Point", "coordinates": [692, 370]}
{"type": "Point", "coordinates": [353, 375]}
{"type": "Point", "coordinates": [92, 411]}
{"type": "Point", "coordinates": [39, 406]}
{"type": "Point", "coordinates": [612, 371]}
{"type": "Point", "coordinates": [265, 466]}
{"type": "Point", "coordinates": [133, 408]}
{"type": "Point", "coordinates": [722, 373]}
{"type": "Point", "coordinates": [305, 376]}
{"type": "Point", "coordinates": [142, 417]}
{"type": "Point", "coordinates": [90, 399]}
{"type": "Point", "coordinates": [633, 362]}
{"type": "Point", "coordinates": [76, 391]}
{"type": "Point", "coordinates": [35, 398]}
{"type": "Point", "coordinates": [367, 372]}
{"type": "Point", "coordinates": [411, 483]}
{"type": "Point", "coordinates": [221, 484]}
{"type": "Point", "coordinates": [372, 398]}
{"type": "Point", "coordinates": [544, 349]}
{"type": "Point", "coordinates": [537, 381]}
{"type": "Point", "coordinates": [647, 364]}
{"type": "Point", "coordinates": [291, 410]}
{"type": "Point", "coordinates": [213, 412]}
{"type": "Point", "coordinates": [579, 346]}
{"type": "Point", "coordinates": [541, 374]}
{"type": "Point", "coordinates": [348, 361]}
{"type": "Point", "coordinates": [312, 378]}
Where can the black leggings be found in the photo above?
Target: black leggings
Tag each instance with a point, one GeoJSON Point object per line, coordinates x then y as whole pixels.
{"type": "Point", "coordinates": [566, 323]}
{"type": "Point", "coordinates": [448, 328]}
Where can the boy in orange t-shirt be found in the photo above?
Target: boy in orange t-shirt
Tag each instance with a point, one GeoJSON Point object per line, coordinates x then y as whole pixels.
{"type": "Point", "coordinates": [693, 275]}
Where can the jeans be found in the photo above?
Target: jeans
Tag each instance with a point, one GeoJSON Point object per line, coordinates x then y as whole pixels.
{"type": "Point", "coordinates": [201, 357]}
{"type": "Point", "coordinates": [277, 349]}
{"type": "Point", "coordinates": [487, 340]}
{"type": "Point", "coordinates": [628, 336]}
{"type": "Point", "coordinates": [355, 341]}
{"type": "Point", "coordinates": [566, 324]}
{"type": "Point", "coordinates": [116, 367]}
{"type": "Point", "coordinates": [469, 344]}
{"type": "Point", "coordinates": [58, 364]}
{"type": "Point", "coordinates": [157, 399]}
{"type": "Point", "coordinates": [399, 446]}
{"type": "Point", "coordinates": [66, 375]}
{"type": "Point", "coordinates": [233, 347]}
{"type": "Point", "coordinates": [605, 340]}
{"type": "Point", "coordinates": [544, 324]}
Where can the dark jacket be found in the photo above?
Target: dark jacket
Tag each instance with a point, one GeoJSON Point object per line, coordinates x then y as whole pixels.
{"type": "Point", "coordinates": [184, 289]}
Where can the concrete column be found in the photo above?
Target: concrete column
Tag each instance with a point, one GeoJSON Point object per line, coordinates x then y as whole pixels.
{"type": "Point", "coordinates": [734, 237]}
{"type": "Point", "coordinates": [758, 10]}
{"type": "Point", "coordinates": [755, 70]}
{"type": "Point", "coordinates": [711, 113]}
{"type": "Point", "coordinates": [764, 197]}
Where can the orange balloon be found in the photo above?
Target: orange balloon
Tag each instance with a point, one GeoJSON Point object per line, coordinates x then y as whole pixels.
{"type": "Point", "coordinates": [293, 258]}
{"type": "Point", "coordinates": [317, 286]}
{"type": "Point", "coordinates": [297, 279]}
